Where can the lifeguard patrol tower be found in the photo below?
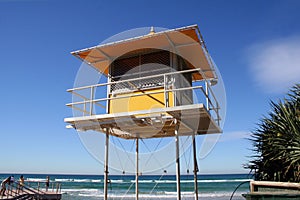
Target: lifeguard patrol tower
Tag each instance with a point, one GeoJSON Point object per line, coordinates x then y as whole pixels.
{"type": "Point", "coordinates": [158, 85]}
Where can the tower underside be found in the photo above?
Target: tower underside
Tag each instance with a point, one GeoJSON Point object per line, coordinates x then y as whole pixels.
{"type": "Point", "coordinates": [153, 123]}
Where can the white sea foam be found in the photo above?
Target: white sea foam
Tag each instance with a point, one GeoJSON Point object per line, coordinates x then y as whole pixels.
{"type": "Point", "coordinates": [83, 192]}
{"type": "Point", "coordinates": [186, 181]}
{"type": "Point", "coordinates": [80, 190]}
{"type": "Point", "coordinates": [91, 194]}
{"type": "Point", "coordinates": [36, 179]}
{"type": "Point", "coordinates": [167, 195]}
{"type": "Point", "coordinates": [162, 195]}
{"type": "Point", "coordinates": [142, 181]}
{"type": "Point", "coordinates": [165, 181]}
{"type": "Point", "coordinates": [116, 181]}
{"type": "Point", "coordinates": [78, 180]}
{"type": "Point", "coordinates": [64, 180]}
{"type": "Point", "coordinates": [182, 193]}
{"type": "Point", "coordinates": [96, 181]}
{"type": "Point", "coordinates": [224, 180]}
{"type": "Point", "coordinates": [204, 181]}
{"type": "Point", "coordinates": [82, 180]}
{"type": "Point", "coordinates": [204, 194]}
{"type": "Point", "coordinates": [146, 181]}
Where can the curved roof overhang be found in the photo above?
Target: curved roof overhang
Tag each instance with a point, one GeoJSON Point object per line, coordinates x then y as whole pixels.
{"type": "Point", "coordinates": [186, 42]}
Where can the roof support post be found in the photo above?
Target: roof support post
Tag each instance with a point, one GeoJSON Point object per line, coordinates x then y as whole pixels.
{"type": "Point", "coordinates": [177, 161]}
{"type": "Point", "coordinates": [106, 164]}
{"type": "Point", "coordinates": [195, 167]}
{"type": "Point", "coordinates": [137, 169]}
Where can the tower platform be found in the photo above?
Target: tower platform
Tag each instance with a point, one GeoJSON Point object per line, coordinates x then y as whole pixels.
{"type": "Point", "coordinates": [152, 123]}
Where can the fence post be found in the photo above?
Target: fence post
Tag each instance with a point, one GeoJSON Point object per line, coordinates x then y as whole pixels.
{"type": "Point", "coordinates": [8, 189]}
{"type": "Point", "coordinates": [56, 188]}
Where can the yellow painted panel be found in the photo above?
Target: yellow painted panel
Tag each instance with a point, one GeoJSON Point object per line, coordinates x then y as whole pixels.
{"type": "Point", "coordinates": [136, 103]}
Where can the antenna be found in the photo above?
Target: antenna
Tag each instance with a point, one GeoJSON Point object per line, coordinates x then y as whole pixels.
{"type": "Point", "coordinates": [152, 31]}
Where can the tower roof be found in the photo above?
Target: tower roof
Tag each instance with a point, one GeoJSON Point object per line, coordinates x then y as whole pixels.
{"type": "Point", "coordinates": [186, 42]}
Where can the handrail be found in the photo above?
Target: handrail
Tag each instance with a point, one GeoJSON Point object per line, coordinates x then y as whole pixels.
{"type": "Point", "coordinates": [89, 102]}
{"type": "Point", "coordinates": [134, 95]}
{"type": "Point", "coordinates": [17, 190]}
{"type": "Point", "coordinates": [13, 189]}
{"type": "Point", "coordinates": [134, 79]}
{"type": "Point", "coordinates": [58, 185]}
{"type": "Point", "coordinates": [33, 189]}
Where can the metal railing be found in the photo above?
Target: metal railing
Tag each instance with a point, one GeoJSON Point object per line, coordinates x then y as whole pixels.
{"type": "Point", "coordinates": [87, 100]}
{"type": "Point", "coordinates": [18, 190]}
{"type": "Point", "coordinates": [54, 187]}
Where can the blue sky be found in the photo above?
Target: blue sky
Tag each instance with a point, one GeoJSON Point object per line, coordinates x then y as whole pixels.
{"type": "Point", "coordinates": [256, 45]}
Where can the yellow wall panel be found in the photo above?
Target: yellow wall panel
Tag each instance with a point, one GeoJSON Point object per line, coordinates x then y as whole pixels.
{"type": "Point", "coordinates": [136, 103]}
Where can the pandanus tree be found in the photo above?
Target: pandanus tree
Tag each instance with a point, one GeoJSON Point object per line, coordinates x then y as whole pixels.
{"type": "Point", "coordinates": [276, 141]}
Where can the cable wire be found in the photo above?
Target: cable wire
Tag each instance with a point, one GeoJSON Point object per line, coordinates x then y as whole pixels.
{"type": "Point", "coordinates": [237, 188]}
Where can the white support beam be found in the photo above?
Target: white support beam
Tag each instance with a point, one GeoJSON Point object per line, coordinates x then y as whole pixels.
{"type": "Point", "coordinates": [106, 165]}
{"type": "Point", "coordinates": [177, 161]}
{"type": "Point", "coordinates": [195, 167]}
{"type": "Point", "coordinates": [137, 169]}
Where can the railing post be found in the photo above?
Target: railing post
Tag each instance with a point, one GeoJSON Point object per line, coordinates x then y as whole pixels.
{"type": "Point", "coordinates": [166, 93]}
{"type": "Point", "coordinates": [108, 93]}
{"type": "Point", "coordinates": [84, 108]}
{"type": "Point", "coordinates": [91, 100]}
{"type": "Point", "coordinates": [56, 188]}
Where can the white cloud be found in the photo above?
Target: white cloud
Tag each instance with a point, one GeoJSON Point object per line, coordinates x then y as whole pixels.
{"type": "Point", "coordinates": [275, 64]}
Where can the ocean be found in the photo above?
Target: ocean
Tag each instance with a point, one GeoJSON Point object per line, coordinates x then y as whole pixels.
{"type": "Point", "coordinates": [90, 187]}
